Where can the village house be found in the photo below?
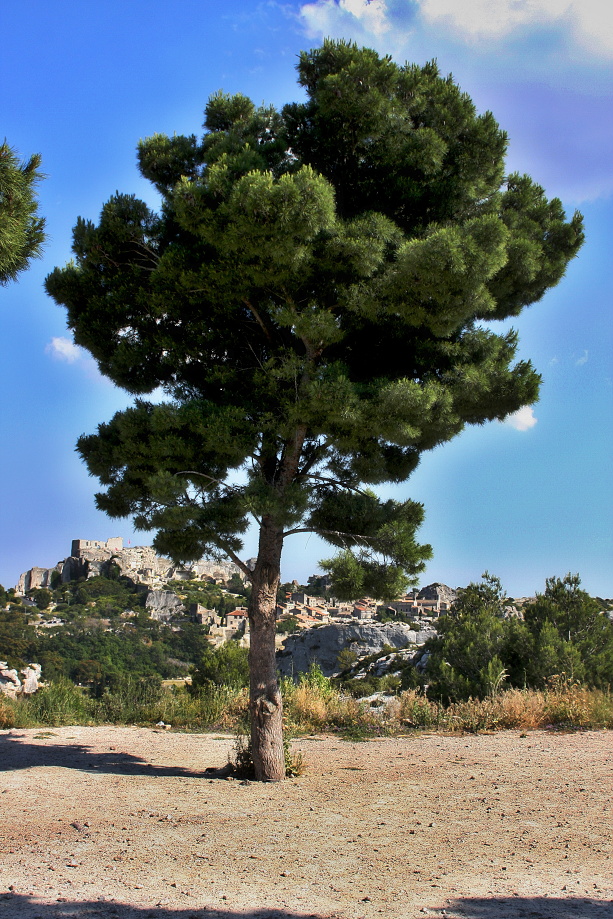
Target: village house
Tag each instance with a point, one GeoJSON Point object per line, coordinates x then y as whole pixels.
{"type": "Point", "coordinates": [238, 619]}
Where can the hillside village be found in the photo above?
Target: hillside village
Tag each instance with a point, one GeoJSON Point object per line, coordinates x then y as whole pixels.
{"type": "Point", "coordinates": [211, 595]}
{"type": "Point", "coordinates": [297, 610]}
{"type": "Point", "coordinates": [107, 613]}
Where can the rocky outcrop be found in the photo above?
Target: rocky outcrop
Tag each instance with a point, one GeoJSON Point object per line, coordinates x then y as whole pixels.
{"type": "Point", "coordinates": [90, 558]}
{"type": "Point", "coordinates": [12, 685]}
{"type": "Point", "coordinates": [37, 577]}
{"type": "Point", "coordinates": [439, 592]}
{"type": "Point", "coordinates": [73, 568]}
{"type": "Point", "coordinates": [163, 605]}
{"type": "Point", "coordinates": [324, 643]}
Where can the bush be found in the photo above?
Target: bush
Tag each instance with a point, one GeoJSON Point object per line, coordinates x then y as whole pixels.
{"type": "Point", "coordinates": [7, 713]}
{"type": "Point", "coordinates": [243, 758]}
{"type": "Point", "coordinates": [59, 703]}
{"type": "Point", "coordinates": [227, 665]}
{"type": "Point", "coordinates": [477, 649]}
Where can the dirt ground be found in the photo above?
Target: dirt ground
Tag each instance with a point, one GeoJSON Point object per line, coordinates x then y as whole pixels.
{"type": "Point", "coordinates": [125, 823]}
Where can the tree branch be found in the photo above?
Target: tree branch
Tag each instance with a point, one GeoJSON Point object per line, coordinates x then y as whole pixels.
{"type": "Point", "coordinates": [257, 318]}
{"type": "Point", "coordinates": [239, 564]}
{"type": "Point", "coordinates": [353, 536]}
{"type": "Point", "coordinates": [323, 478]}
{"type": "Point", "coordinates": [209, 477]}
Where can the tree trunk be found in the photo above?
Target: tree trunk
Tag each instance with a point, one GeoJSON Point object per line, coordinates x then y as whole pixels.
{"type": "Point", "coordinates": [265, 698]}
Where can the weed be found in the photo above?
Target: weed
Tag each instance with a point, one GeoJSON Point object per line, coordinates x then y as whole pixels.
{"type": "Point", "coordinates": [243, 758]}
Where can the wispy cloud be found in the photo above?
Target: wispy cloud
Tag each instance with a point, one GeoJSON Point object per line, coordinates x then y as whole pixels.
{"type": "Point", "coordinates": [522, 420]}
{"type": "Point", "coordinates": [361, 20]}
{"type": "Point", "coordinates": [582, 360]}
{"type": "Point", "coordinates": [582, 21]}
{"type": "Point", "coordinates": [63, 349]}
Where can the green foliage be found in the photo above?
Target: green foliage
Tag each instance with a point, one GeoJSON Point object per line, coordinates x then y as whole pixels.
{"type": "Point", "coordinates": [227, 665]}
{"type": "Point", "coordinates": [98, 588]}
{"type": "Point", "coordinates": [98, 641]}
{"type": "Point", "coordinates": [346, 659]}
{"type": "Point", "coordinates": [21, 229]}
{"type": "Point", "coordinates": [128, 698]}
{"type": "Point", "coordinates": [17, 637]}
{"type": "Point", "coordinates": [61, 702]}
{"type": "Point", "coordinates": [236, 585]}
{"type": "Point", "coordinates": [42, 597]}
{"type": "Point", "coordinates": [287, 626]}
{"type": "Point", "coordinates": [315, 678]}
{"type": "Point", "coordinates": [310, 297]}
{"type": "Point", "coordinates": [477, 651]}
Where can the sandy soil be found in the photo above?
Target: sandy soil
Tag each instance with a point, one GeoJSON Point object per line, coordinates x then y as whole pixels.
{"type": "Point", "coordinates": [124, 823]}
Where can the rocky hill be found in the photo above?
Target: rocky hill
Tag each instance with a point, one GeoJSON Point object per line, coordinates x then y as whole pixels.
{"type": "Point", "coordinates": [90, 558]}
{"type": "Point", "coordinates": [324, 644]}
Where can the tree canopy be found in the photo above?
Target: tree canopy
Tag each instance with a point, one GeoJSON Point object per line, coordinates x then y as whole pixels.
{"type": "Point", "coordinates": [479, 647]}
{"type": "Point", "coordinates": [21, 229]}
{"type": "Point", "coordinates": [315, 297]}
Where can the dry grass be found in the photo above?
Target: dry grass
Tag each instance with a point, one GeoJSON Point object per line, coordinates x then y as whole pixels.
{"type": "Point", "coordinates": [313, 705]}
{"type": "Point", "coordinates": [307, 706]}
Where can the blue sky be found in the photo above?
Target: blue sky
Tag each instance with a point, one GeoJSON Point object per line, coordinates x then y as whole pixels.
{"type": "Point", "coordinates": [81, 83]}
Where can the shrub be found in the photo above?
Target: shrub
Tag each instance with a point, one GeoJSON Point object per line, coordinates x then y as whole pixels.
{"type": "Point", "coordinates": [413, 710]}
{"type": "Point", "coordinates": [227, 665]}
{"type": "Point", "coordinates": [59, 703]}
{"type": "Point", "coordinates": [7, 713]}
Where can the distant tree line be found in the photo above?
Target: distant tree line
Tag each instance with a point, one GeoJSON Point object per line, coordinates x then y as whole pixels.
{"type": "Point", "coordinates": [96, 643]}
{"type": "Point", "coordinates": [481, 646]}
{"type": "Point", "coordinates": [480, 649]}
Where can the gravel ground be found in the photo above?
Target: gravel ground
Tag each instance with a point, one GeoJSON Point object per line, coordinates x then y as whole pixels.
{"type": "Point", "coordinates": [125, 823]}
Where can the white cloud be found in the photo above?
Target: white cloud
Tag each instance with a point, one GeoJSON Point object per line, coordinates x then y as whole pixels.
{"type": "Point", "coordinates": [522, 420]}
{"type": "Point", "coordinates": [589, 26]}
{"type": "Point", "coordinates": [361, 20]}
{"type": "Point", "coordinates": [582, 360]}
{"type": "Point", "coordinates": [63, 349]}
{"type": "Point", "coordinates": [495, 19]}
{"type": "Point", "coordinates": [492, 18]}
{"type": "Point", "coordinates": [371, 13]}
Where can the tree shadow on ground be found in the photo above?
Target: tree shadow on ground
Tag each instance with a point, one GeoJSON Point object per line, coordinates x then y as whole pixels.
{"type": "Point", "coordinates": [18, 906]}
{"type": "Point", "coordinates": [527, 908]}
{"type": "Point", "coordinates": [17, 753]}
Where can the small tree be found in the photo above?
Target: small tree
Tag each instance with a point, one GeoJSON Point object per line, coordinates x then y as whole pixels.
{"type": "Point", "coordinates": [288, 626]}
{"type": "Point", "coordinates": [570, 629]}
{"type": "Point", "coordinates": [21, 229]}
{"type": "Point", "coordinates": [42, 597]}
{"type": "Point", "coordinates": [465, 656]}
{"type": "Point", "coordinates": [312, 297]}
{"type": "Point", "coordinates": [477, 649]}
{"type": "Point", "coordinates": [226, 665]}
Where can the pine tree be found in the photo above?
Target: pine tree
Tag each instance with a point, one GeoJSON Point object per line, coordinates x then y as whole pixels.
{"type": "Point", "coordinates": [315, 297]}
{"type": "Point", "coordinates": [21, 229]}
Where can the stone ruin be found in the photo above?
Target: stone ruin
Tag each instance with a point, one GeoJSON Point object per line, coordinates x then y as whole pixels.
{"type": "Point", "coordinates": [91, 557]}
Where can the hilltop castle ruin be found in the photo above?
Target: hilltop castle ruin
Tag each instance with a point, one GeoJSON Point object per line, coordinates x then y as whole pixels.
{"type": "Point", "coordinates": [91, 557]}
